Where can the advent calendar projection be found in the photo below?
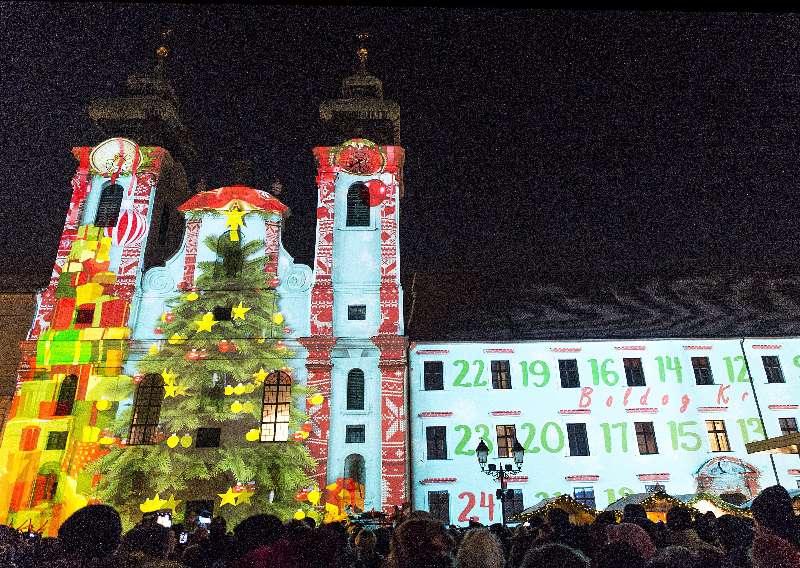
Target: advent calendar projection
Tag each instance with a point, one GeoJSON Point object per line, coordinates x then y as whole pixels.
{"type": "Point", "coordinates": [225, 377]}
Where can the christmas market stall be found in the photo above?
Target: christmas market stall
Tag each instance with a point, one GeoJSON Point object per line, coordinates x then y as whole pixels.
{"type": "Point", "coordinates": [705, 502]}
{"type": "Point", "coordinates": [656, 504]}
{"type": "Point", "coordinates": [579, 514]}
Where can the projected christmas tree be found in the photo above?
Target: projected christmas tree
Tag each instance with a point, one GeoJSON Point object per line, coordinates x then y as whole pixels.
{"type": "Point", "coordinates": [214, 404]}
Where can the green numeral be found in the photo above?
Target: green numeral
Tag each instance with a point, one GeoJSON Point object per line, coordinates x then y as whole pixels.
{"type": "Point", "coordinates": [669, 364]}
{"type": "Point", "coordinates": [601, 373]}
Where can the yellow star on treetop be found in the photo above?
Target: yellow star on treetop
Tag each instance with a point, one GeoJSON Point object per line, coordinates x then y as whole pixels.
{"type": "Point", "coordinates": [170, 390]}
{"type": "Point", "coordinates": [234, 219]}
{"type": "Point", "coordinates": [260, 375]}
{"type": "Point", "coordinates": [206, 323]}
{"type": "Point", "coordinates": [239, 311]}
{"type": "Point", "coordinates": [169, 377]}
{"type": "Point", "coordinates": [227, 498]}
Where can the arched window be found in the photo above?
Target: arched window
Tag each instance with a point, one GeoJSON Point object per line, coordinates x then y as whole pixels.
{"type": "Point", "coordinates": [108, 208]}
{"type": "Point", "coordinates": [66, 396]}
{"type": "Point", "coordinates": [357, 207]}
{"type": "Point", "coordinates": [146, 410]}
{"type": "Point", "coordinates": [354, 468]}
{"type": "Point", "coordinates": [355, 389]}
{"type": "Point", "coordinates": [45, 484]}
{"type": "Point", "coordinates": [275, 410]}
{"type": "Point", "coordinates": [229, 257]}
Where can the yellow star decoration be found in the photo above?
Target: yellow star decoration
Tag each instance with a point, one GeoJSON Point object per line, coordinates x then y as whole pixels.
{"type": "Point", "coordinates": [239, 311]}
{"type": "Point", "coordinates": [170, 391]}
{"type": "Point", "coordinates": [244, 497]}
{"type": "Point", "coordinates": [234, 219]}
{"type": "Point", "coordinates": [153, 350]}
{"type": "Point", "coordinates": [169, 377]}
{"type": "Point", "coordinates": [170, 503]}
{"type": "Point", "coordinates": [227, 498]}
{"type": "Point", "coordinates": [260, 376]}
{"type": "Point", "coordinates": [151, 505]}
{"type": "Point", "coordinates": [206, 323]}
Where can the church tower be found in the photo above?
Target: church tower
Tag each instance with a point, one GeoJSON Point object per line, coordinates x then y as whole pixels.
{"type": "Point", "coordinates": [356, 348]}
{"type": "Point", "coordinates": [71, 377]}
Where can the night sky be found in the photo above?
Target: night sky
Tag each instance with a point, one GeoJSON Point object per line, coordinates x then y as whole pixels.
{"type": "Point", "coordinates": [608, 144]}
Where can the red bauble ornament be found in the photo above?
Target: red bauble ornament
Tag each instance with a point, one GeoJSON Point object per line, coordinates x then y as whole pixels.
{"type": "Point", "coordinates": [297, 437]}
{"type": "Point", "coordinates": [301, 496]}
{"type": "Point", "coordinates": [287, 330]}
{"type": "Point", "coordinates": [159, 330]}
{"type": "Point", "coordinates": [280, 345]}
{"type": "Point", "coordinates": [192, 355]}
{"type": "Point", "coordinates": [274, 282]}
{"type": "Point", "coordinates": [169, 317]}
{"type": "Point", "coordinates": [375, 193]}
{"type": "Point", "coordinates": [202, 354]}
{"type": "Point", "coordinates": [306, 427]}
{"type": "Point", "coordinates": [223, 346]}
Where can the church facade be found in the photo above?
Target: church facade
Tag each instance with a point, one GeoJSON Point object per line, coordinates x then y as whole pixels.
{"type": "Point", "coordinates": [391, 422]}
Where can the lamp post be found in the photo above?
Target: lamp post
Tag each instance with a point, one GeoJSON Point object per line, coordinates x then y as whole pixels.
{"type": "Point", "coordinates": [502, 472]}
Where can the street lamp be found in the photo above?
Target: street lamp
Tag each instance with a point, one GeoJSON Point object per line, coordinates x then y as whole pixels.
{"type": "Point", "coordinates": [502, 472]}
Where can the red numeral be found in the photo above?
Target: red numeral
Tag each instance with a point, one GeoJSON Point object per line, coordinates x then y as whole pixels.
{"type": "Point", "coordinates": [463, 517]}
{"type": "Point", "coordinates": [487, 501]}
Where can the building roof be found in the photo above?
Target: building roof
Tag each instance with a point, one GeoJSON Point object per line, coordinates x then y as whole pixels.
{"type": "Point", "coordinates": [222, 197]}
{"type": "Point", "coordinates": [503, 307]}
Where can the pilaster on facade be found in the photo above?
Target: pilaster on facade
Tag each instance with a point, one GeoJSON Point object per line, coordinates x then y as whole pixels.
{"type": "Point", "coordinates": [319, 366]}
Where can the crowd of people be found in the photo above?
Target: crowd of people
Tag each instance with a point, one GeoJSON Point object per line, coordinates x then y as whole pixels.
{"type": "Point", "coordinates": [92, 538]}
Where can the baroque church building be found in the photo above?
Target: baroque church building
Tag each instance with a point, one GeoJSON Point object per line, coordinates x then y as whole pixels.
{"type": "Point", "coordinates": [227, 378]}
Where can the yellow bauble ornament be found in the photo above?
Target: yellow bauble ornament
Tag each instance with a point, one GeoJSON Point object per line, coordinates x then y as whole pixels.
{"type": "Point", "coordinates": [238, 389]}
{"type": "Point", "coordinates": [299, 515]}
{"type": "Point", "coordinates": [106, 440]}
{"type": "Point", "coordinates": [228, 390]}
{"type": "Point", "coordinates": [186, 440]}
{"type": "Point", "coordinates": [317, 399]}
{"type": "Point", "coordinates": [176, 339]}
{"type": "Point", "coordinates": [277, 318]}
{"type": "Point", "coordinates": [173, 441]}
{"type": "Point", "coordinates": [249, 387]}
{"type": "Point", "coordinates": [252, 435]}
{"type": "Point", "coordinates": [236, 407]}
{"type": "Point", "coordinates": [103, 405]}
{"type": "Point", "coordinates": [314, 497]}
{"type": "Point", "coordinates": [192, 296]}
{"type": "Point", "coordinates": [247, 407]}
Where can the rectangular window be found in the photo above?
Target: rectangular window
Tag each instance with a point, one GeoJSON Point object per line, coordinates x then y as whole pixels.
{"type": "Point", "coordinates": [85, 315]}
{"type": "Point", "coordinates": [56, 440]}
{"type": "Point", "coordinates": [207, 438]}
{"type": "Point", "coordinates": [646, 437]}
{"type": "Point", "coordinates": [702, 371]}
{"type": "Point", "coordinates": [505, 440]}
{"type": "Point", "coordinates": [772, 366]}
{"type": "Point", "coordinates": [436, 438]}
{"type": "Point", "coordinates": [433, 375]}
{"type": "Point", "coordinates": [357, 312]}
{"type": "Point", "coordinates": [513, 503]}
{"type": "Point", "coordinates": [355, 434]}
{"type": "Point", "coordinates": [788, 426]}
{"type": "Point", "coordinates": [439, 506]}
{"type": "Point", "coordinates": [717, 436]}
{"type": "Point", "coordinates": [578, 441]}
{"type": "Point", "coordinates": [501, 375]}
{"type": "Point", "coordinates": [222, 313]}
{"type": "Point", "coordinates": [568, 369]}
{"type": "Point", "coordinates": [634, 372]}
{"type": "Point", "coordinates": [585, 495]}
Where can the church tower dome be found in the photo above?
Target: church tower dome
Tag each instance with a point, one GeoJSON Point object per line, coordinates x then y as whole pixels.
{"type": "Point", "coordinates": [361, 112]}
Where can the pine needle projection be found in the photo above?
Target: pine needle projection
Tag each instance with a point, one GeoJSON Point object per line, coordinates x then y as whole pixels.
{"type": "Point", "coordinates": [222, 349]}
